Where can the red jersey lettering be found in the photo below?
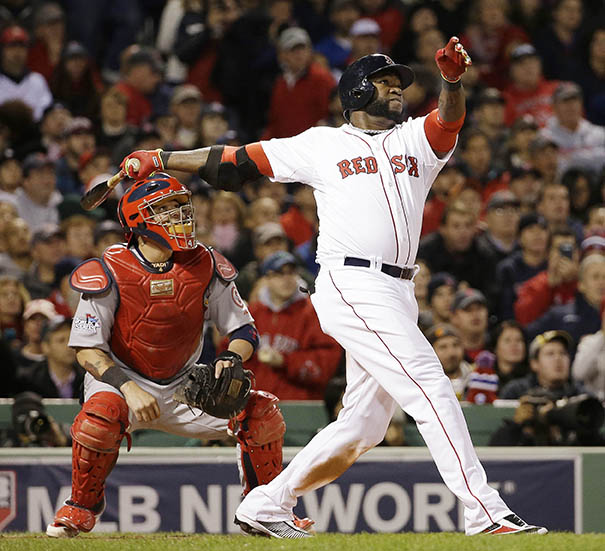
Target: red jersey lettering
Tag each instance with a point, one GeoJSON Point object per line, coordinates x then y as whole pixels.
{"type": "Point", "coordinates": [357, 165]}
{"type": "Point", "coordinates": [412, 163]}
{"type": "Point", "coordinates": [398, 164]}
{"type": "Point", "coordinates": [371, 165]}
{"type": "Point", "coordinates": [344, 169]}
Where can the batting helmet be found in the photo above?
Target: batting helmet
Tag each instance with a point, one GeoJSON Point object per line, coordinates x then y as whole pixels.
{"type": "Point", "coordinates": [354, 88]}
{"type": "Point", "coordinates": [142, 211]}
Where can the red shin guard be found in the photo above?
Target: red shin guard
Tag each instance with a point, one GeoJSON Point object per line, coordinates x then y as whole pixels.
{"type": "Point", "coordinates": [260, 433]}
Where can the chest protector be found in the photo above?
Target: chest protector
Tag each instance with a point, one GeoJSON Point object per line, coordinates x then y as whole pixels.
{"type": "Point", "coordinates": [159, 321]}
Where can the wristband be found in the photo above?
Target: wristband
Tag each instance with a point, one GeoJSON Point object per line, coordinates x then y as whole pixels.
{"type": "Point", "coordinates": [114, 376]}
{"type": "Point", "coordinates": [164, 156]}
{"type": "Point", "coordinates": [451, 85]}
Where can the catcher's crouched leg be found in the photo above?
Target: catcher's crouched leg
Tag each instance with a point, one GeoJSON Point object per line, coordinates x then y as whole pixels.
{"type": "Point", "coordinates": [97, 432]}
{"type": "Point", "coordinates": [260, 430]}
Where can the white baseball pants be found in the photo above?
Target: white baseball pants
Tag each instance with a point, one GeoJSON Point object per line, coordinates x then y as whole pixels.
{"type": "Point", "coordinates": [389, 361]}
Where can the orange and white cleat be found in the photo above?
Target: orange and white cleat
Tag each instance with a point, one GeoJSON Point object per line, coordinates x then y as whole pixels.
{"type": "Point", "coordinates": [512, 524]}
{"type": "Point", "coordinates": [71, 519]}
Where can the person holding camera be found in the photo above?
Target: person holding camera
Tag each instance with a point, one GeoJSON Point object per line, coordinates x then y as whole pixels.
{"type": "Point", "coordinates": [553, 409]}
{"type": "Point", "coordinates": [580, 316]}
{"type": "Point", "coordinates": [556, 284]}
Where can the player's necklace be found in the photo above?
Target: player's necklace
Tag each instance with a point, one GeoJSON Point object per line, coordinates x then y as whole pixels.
{"type": "Point", "coordinates": [371, 132]}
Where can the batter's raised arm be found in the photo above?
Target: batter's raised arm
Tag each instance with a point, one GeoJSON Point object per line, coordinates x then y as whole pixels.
{"type": "Point", "coordinates": [442, 125]}
{"type": "Point", "coordinates": [223, 167]}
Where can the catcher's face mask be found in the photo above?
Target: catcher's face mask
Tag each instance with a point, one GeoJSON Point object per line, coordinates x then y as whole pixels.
{"type": "Point", "coordinates": [159, 208]}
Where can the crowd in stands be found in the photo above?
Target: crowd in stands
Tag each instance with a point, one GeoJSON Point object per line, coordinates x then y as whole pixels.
{"type": "Point", "coordinates": [511, 287]}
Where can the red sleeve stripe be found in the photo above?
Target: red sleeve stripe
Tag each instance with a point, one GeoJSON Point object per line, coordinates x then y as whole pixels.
{"type": "Point", "coordinates": [256, 153]}
{"type": "Point", "coordinates": [229, 154]}
{"type": "Point", "coordinates": [441, 134]}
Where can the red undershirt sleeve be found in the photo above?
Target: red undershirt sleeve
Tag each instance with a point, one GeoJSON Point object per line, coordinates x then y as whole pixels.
{"type": "Point", "coordinates": [440, 134]}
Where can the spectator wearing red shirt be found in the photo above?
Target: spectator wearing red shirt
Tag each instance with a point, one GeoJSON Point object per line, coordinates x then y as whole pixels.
{"type": "Point", "coordinates": [295, 359]}
{"type": "Point", "coordinates": [141, 74]}
{"type": "Point", "coordinates": [49, 32]}
{"type": "Point", "coordinates": [301, 94]}
{"type": "Point", "coordinates": [300, 220]}
{"type": "Point", "coordinates": [554, 286]}
{"type": "Point", "coordinates": [529, 92]}
{"type": "Point", "coordinates": [448, 184]}
{"type": "Point", "coordinates": [388, 15]}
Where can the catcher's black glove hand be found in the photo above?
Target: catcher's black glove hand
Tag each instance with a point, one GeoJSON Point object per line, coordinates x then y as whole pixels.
{"type": "Point", "coordinates": [224, 397]}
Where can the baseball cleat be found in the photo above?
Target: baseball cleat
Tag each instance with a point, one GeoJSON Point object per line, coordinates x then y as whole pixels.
{"type": "Point", "coordinates": [512, 524]}
{"type": "Point", "coordinates": [283, 529]}
{"type": "Point", "coordinates": [71, 519]}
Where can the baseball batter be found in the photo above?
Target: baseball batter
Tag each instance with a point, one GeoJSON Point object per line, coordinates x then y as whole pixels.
{"type": "Point", "coordinates": [137, 331]}
{"type": "Point", "coordinates": [370, 178]}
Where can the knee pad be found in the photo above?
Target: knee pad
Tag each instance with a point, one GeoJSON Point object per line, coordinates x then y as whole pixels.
{"type": "Point", "coordinates": [97, 433]}
{"type": "Point", "coordinates": [260, 437]}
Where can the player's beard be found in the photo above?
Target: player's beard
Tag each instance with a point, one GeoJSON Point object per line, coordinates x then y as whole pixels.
{"type": "Point", "coordinates": [379, 107]}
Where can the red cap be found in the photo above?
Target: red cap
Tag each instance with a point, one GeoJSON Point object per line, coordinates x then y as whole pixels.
{"type": "Point", "coordinates": [14, 34]}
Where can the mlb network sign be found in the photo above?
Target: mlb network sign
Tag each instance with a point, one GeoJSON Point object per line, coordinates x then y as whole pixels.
{"type": "Point", "coordinates": [372, 496]}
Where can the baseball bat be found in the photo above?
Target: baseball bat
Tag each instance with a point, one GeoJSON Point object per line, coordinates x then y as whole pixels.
{"type": "Point", "coordinates": [95, 196]}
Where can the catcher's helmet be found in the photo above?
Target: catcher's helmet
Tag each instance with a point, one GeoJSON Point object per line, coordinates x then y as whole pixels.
{"type": "Point", "coordinates": [140, 212]}
{"type": "Point", "coordinates": [354, 88]}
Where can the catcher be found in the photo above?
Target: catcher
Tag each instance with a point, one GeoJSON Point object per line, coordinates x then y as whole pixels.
{"type": "Point", "coordinates": [138, 332]}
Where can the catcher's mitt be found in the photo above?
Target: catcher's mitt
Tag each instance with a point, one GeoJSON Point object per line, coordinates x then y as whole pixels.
{"type": "Point", "coordinates": [224, 397]}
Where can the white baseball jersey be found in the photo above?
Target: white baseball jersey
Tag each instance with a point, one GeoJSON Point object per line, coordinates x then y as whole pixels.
{"type": "Point", "coordinates": [370, 189]}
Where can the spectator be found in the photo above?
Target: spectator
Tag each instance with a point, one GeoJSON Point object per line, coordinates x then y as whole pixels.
{"type": "Point", "coordinates": [106, 234]}
{"type": "Point", "coordinates": [37, 198]}
{"type": "Point", "coordinates": [64, 298]}
{"type": "Point", "coordinates": [543, 154]}
{"type": "Point", "coordinates": [141, 74]}
{"type": "Point", "coordinates": [94, 167]}
{"type": "Point", "coordinates": [59, 376]}
{"type": "Point", "coordinates": [79, 237]}
{"type": "Point", "coordinates": [522, 134]}
{"type": "Point", "coordinates": [489, 116]}
{"type": "Point", "coordinates": [421, 284]}
{"type": "Point", "coordinates": [421, 96]}
{"type": "Point", "coordinates": [589, 363]}
{"type": "Point", "coordinates": [365, 39]}
{"type": "Point", "coordinates": [558, 43]}
{"type": "Point", "coordinates": [76, 83]}
{"type": "Point", "coordinates": [447, 185]}
{"type": "Point", "coordinates": [16, 82]}
{"type": "Point", "coordinates": [525, 184]}
{"type": "Point", "coordinates": [503, 214]}
{"type": "Point", "coordinates": [49, 31]}
{"type": "Point", "coordinates": [440, 293]}
{"type": "Point", "coordinates": [79, 139]}
{"type": "Point", "coordinates": [448, 347]}
{"type": "Point", "coordinates": [37, 314]}
{"type": "Point", "coordinates": [55, 120]}
{"type": "Point", "coordinates": [213, 124]}
{"type": "Point", "coordinates": [582, 194]}
{"type": "Point", "coordinates": [336, 47]}
{"type": "Point", "coordinates": [388, 15]}
{"type": "Point", "coordinates": [113, 131]}
{"type": "Point", "coordinates": [454, 248]}
{"type": "Point", "coordinates": [482, 175]}
{"type": "Point", "coordinates": [267, 239]}
{"type": "Point", "coordinates": [580, 316]}
{"type": "Point", "coordinates": [295, 359]}
{"type": "Point", "coordinates": [528, 92]}
{"type": "Point", "coordinates": [554, 205]}
{"type": "Point", "coordinates": [427, 43]}
{"type": "Point", "coordinates": [300, 220]}
{"type": "Point", "coordinates": [229, 234]}
{"type": "Point", "coordinates": [523, 264]}
{"type": "Point", "coordinates": [301, 94]}
{"type": "Point", "coordinates": [47, 247]}
{"type": "Point", "coordinates": [591, 76]}
{"type": "Point", "coordinates": [581, 143]}
{"type": "Point", "coordinates": [490, 38]}
{"type": "Point", "coordinates": [13, 298]}
{"type": "Point", "coordinates": [556, 284]}
{"type": "Point", "coordinates": [261, 211]}
{"type": "Point", "coordinates": [596, 218]}
{"type": "Point", "coordinates": [549, 359]}
{"type": "Point", "coordinates": [421, 17]}
{"type": "Point", "coordinates": [335, 117]}
{"type": "Point", "coordinates": [510, 348]}
{"type": "Point", "coordinates": [11, 176]}
{"type": "Point", "coordinates": [470, 318]}
{"type": "Point", "coordinates": [17, 259]}
{"type": "Point", "coordinates": [186, 105]}
{"type": "Point", "coordinates": [8, 212]}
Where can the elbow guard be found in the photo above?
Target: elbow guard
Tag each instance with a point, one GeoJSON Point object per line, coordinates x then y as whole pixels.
{"type": "Point", "coordinates": [229, 168]}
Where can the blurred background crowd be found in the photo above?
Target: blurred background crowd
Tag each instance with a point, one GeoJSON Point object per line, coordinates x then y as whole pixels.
{"type": "Point", "coordinates": [511, 284]}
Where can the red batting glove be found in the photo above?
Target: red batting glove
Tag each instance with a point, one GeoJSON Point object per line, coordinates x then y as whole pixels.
{"type": "Point", "coordinates": [150, 161]}
{"type": "Point", "coordinates": [452, 60]}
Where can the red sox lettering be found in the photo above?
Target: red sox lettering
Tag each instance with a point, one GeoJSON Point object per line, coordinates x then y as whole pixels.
{"type": "Point", "coordinates": [368, 165]}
